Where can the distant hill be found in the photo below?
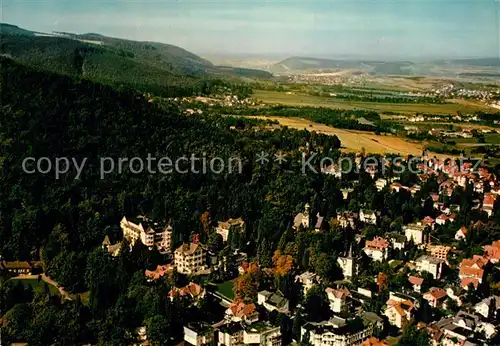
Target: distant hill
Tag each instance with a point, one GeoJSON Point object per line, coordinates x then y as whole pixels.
{"type": "Point", "coordinates": [480, 67]}
{"type": "Point", "coordinates": [146, 66]}
{"type": "Point", "coordinates": [298, 64]}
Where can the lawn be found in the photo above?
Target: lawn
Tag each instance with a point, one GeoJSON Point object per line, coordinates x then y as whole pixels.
{"type": "Point", "coordinates": [226, 289]}
{"type": "Point", "coordinates": [34, 283]}
{"type": "Point", "coordinates": [302, 99]}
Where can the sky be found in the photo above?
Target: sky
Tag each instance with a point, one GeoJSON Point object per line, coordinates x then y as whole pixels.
{"type": "Point", "coordinates": [365, 28]}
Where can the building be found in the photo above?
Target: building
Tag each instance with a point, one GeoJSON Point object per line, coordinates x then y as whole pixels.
{"type": "Point", "coordinates": [461, 233]}
{"type": "Point", "coordinates": [192, 291]}
{"type": "Point", "coordinates": [348, 265]}
{"type": "Point", "coordinates": [273, 301]}
{"type": "Point", "coordinates": [234, 225]}
{"type": "Point", "coordinates": [21, 267]}
{"type": "Point", "coordinates": [159, 272]}
{"type": "Point", "coordinates": [302, 219]}
{"type": "Point", "coordinates": [347, 219]}
{"type": "Point", "coordinates": [198, 334]}
{"type": "Point", "coordinates": [493, 251]}
{"type": "Point", "coordinates": [308, 280]}
{"type": "Point", "coordinates": [399, 309]}
{"type": "Point", "coordinates": [488, 307]}
{"type": "Point", "coordinates": [471, 271]}
{"type": "Point", "coordinates": [415, 231]}
{"type": "Point", "coordinates": [230, 334]}
{"type": "Point", "coordinates": [241, 312]}
{"type": "Point", "coordinates": [380, 184]}
{"type": "Point", "coordinates": [377, 249]}
{"type": "Point", "coordinates": [190, 258]}
{"type": "Point", "coordinates": [439, 251]}
{"type": "Point", "coordinates": [398, 241]}
{"type": "Point", "coordinates": [489, 203]}
{"type": "Point", "coordinates": [261, 333]}
{"type": "Point", "coordinates": [430, 264]}
{"type": "Point", "coordinates": [416, 282]}
{"type": "Point", "coordinates": [368, 217]}
{"type": "Point", "coordinates": [337, 331]}
{"type": "Point", "coordinates": [435, 296]}
{"type": "Point", "coordinates": [112, 249]}
{"type": "Point", "coordinates": [337, 298]}
{"type": "Point", "coordinates": [334, 170]}
{"type": "Point", "coordinates": [150, 234]}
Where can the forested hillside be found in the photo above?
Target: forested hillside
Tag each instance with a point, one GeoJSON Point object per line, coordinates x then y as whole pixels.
{"type": "Point", "coordinates": [63, 222]}
{"type": "Point", "coordinates": [162, 69]}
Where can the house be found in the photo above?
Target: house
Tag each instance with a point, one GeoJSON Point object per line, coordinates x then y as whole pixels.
{"type": "Point", "coordinates": [112, 249]}
{"type": "Point", "coordinates": [308, 280]}
{"type": "Point", "coordinates": [198, 334]}
{"type": "Point", "coordinates": [461, 233]}
{"type": "Point", "coordinates": [337, 331]}
{"type": "Point", "coordinates": [368, 217]}
{"type": "Point", "coordinates": [415, 231]}
{"type": "Point", "coordinates": [380, 184]}
{"type": "Point", "coordinates": [439, 251]}
{"type": "Point", "coordinates": [416, 282]}
{"type": "Point", "coordinates": [348, 265]}
{"type": "Point", "coordinates": [302, 219]}
{"type": "Point", "coordinates": [190, 258]}
{"type": "Point", "coordinates": [320, 223]}
{"type": "Point", "coordinates": [398, 241]}
{"type": "Point", "coordinates": [159, 272]}
{"type": "Point", "coordinates": [488, 307]}
{"type": "Point", "coordinates": [346, 219]}
{"type": "Point", "coordinates": [435, 296]}
{"type": "Point", "coordinates": [489, 203]}
{"type": "Point", "coordinates": [399, 310]}
{"type": "Point", "coordinates": [493, 251]}
{"type": "Point", "coordinates": [273, 301]}
{"type": "Point", "coordinates": [430, 264]}
{"type": "Point", "coordinates": [471, 271]}
{"type": "Point", "coordinates": [334, 170]}
{"type": "Point", "coordinates": [441, 219]}
{"type": "Point", "coordinates": [241, 312]}
{"type": "Point", "coordinates": [377, 249]}
{"type": "Point", "coordinates": [21, 267]}
{"type": "Point", "coordinates": [428, 222]}
{"type": "Point", "coordinates": [456, 293]}
{"type": "Point", "coordinates": [463, 328]}
{"type": "Point", "coordinates": [192, 291]}
{"type": "Point", "coordinates": [337, 298]}
{"type": "Point", "coordinates": [234, 225]}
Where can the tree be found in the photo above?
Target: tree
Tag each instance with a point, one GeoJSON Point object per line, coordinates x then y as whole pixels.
{"type": "Point", "coordinates": [157, 328]}
{"type": "Point", "coordinates": [316, 305]}
{"type": "Point", "coordinates": [412, 337]}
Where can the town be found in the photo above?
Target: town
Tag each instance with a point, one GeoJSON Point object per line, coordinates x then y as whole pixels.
{"type": "Point", "coordinates": [430, 273]}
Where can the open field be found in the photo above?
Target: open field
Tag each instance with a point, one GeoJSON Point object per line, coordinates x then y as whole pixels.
{"type": "Point", "coordinates": [302, 99]}
{"type": "Point", "coordinates": [226, 289]}
{"type": "Point", "coordinates": [353, 140]}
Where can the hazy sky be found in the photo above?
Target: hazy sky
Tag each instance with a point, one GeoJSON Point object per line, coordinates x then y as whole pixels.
{"type": "Point", "coordinates": [402, 28]}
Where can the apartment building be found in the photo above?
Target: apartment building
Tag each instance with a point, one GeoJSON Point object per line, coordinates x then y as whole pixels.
{"type": "Point", "coordinates": [190, 258]}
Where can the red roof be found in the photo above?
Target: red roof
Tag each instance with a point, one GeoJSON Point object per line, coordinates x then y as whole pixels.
{"type": "Point", "coordinates": [416, 280]}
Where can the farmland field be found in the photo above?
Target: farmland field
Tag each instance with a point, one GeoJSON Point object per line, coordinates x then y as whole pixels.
{"type": "Point", "coordinates": [354, 140]}
{"type": "Point", "coordinates": [301, 99]}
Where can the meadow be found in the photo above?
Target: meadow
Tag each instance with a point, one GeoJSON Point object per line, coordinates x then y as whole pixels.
{"type": "Point", "coordinates": [303, 99]}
